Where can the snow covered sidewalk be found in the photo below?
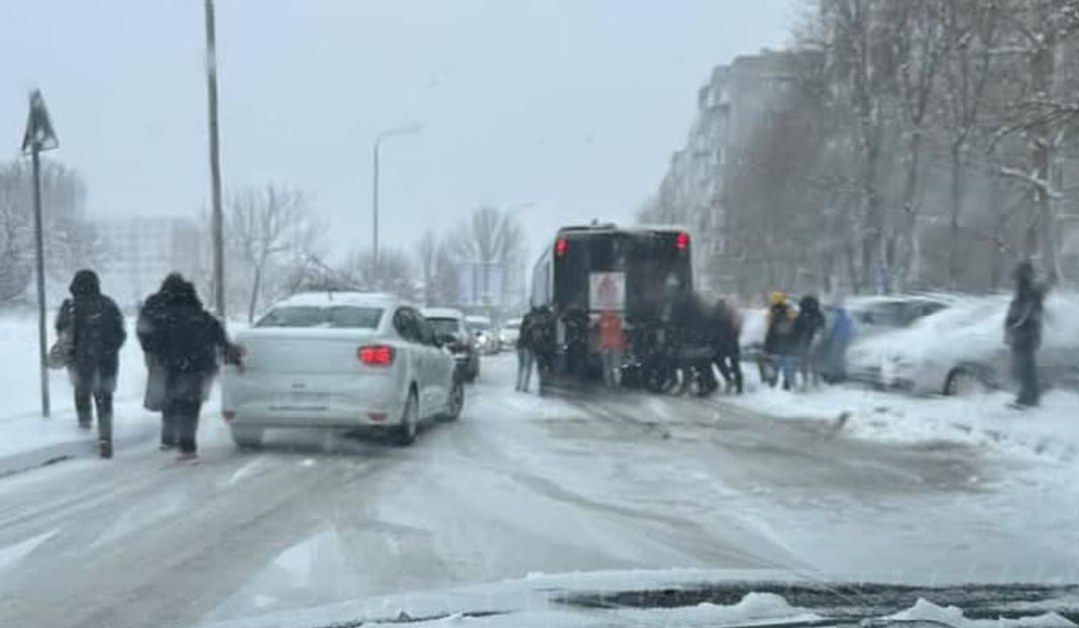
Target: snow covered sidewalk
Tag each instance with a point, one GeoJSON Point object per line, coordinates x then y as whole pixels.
{"type": "Point", "coordinates": [1048, 433]}
{"type": "Point", "coordinates": [28, 440]}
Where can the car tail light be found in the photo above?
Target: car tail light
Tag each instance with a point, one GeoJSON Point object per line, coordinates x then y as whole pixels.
{"type": "Point", "coordinates": [560, 247]}
{"type": "Point", "coordinates": [681, 242]}
{"type": "Point", "coordinates": [376, 355]}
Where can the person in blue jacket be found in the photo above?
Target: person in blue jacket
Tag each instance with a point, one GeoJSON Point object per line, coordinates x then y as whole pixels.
{"type": "Point", "coordinates": [834, 350]}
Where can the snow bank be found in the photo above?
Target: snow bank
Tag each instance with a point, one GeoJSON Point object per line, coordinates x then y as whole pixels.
{"type": "Point", "coordinates": [925, 611]}
{"type": "Point", "coordinates": [1047, 432]}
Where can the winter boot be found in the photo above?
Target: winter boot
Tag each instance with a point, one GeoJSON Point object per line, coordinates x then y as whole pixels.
{"type": "Point", "coordinates": [188, 457]}
{"type": "Point", "coordinates": [105, 448]}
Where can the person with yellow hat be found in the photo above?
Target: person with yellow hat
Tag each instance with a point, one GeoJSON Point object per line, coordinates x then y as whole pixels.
{"type": "Point", "coordinates": [780, 342]}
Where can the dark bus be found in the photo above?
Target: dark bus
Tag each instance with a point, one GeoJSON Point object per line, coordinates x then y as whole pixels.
{"type": "Point", "coordinates": [652, 260]}
{"type": "Point", "coordinates": [644, 268]}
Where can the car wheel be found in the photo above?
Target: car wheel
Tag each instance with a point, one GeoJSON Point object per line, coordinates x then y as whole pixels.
{"type": "Point", "coordinates": [456, 401]}
{"type": "Point", "coordinates": [962, 382]}
{"type": "Point", "coordinates": [404, 434]}
{"type": "Point", "coordinates": [247, 437]}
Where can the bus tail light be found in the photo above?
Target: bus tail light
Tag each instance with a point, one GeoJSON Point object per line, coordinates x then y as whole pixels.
{"type": "Point", "coordinates": [681, 241]}
{"type": "Point", "coordinates": [560, 247]}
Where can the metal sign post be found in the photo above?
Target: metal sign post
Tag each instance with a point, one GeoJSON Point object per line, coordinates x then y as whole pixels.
{"type": "Point", "coordinates": [39, 136]}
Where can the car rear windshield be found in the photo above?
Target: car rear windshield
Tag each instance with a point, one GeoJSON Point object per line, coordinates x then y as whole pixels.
{"type": "Point", "coordinates": [443, 326]}
{"type": "Point", "coordinates": [337, 316]}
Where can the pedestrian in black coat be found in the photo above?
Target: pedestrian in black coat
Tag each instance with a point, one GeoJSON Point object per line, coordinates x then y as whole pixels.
{"type": "Point", "coordinates": [92, 328]}
{"type": "Point", "coordinates": [727, 354]}
{"type": "Point", "coordinates": [1023, 333]}
{"type": "Point", "coordinates": [808, 326]}
{"type": "Point", "coordinates": [186, 341]}
{"type": "Point", "coordinates": [525, 354]}
{"type": "Point", "coordinates": [150, 315]}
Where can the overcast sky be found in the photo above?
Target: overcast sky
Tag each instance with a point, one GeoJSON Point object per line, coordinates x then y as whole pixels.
{"type": "Point", "coordinates": [571, 105]}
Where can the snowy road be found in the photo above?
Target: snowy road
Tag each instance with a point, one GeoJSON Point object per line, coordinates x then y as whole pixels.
{"type": "Point", "coordinates": [519, 485]}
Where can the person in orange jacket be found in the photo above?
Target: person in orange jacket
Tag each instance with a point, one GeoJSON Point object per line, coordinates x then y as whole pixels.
{"type": "Point", "coordinates": [612, 343]}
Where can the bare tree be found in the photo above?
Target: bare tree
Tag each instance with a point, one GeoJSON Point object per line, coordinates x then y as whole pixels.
{"type": "Point", "coordinates": [264, 225]}
{"type": "Point", "coordinates": [971, 29]}
{"type": "Point", "coordinates": [436, 269]}
{"type": "Point", "coordinates": [922, 44]}
{"type": "Point", "coordinates": [16, 241]}
{"type": "Point", "coordinates": [490, 238]}
{"type": "Point", "coordinates": [391, 273]}
{"type": "Point", "coordinates": [1043, 115]}
{"type": "Point", "coordinates": [71, 240]}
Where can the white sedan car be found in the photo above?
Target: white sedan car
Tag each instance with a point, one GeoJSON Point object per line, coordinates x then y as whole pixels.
{"type": "Point", "coordinates": [340, 360]}
{"type": "Point", "coordinates": [961, 349]}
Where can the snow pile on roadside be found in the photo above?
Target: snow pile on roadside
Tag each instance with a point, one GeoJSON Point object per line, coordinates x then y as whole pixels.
{"type": "Point", "coordinates": [928, 612]}
{"type": "Point", "coordinates": [1051, 430]}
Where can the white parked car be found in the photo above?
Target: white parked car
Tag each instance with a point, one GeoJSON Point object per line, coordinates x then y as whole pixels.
{"type": "Point", "coordinates": [340, 360]}
{"type": "Point", "coordinates": [961, 349]}
{"type": "Point", "coordinates": [510, 332]}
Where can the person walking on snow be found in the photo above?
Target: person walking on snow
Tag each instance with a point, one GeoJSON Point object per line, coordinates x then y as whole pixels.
{"type": "Point", "coordinates": [780, 342]}
{"type": "Point", "coordinates": [186, 340]}
{"type": "Point", "coordinates": [834, 350]}
{"type": "Point", "coordinates": [1023, 333]}
{"type": "Point", "coordinates": [151, 315]}
{"type": "Point", "coordinates": [525, 355]}
{"type": "Point", "coordinates": [612, 343]}
{"type": "Point", "coordinates": [726, 351]}
{"type": "Point", "coordinates": [91, 329]}
{"type": "Point", "coordinates": [809, 323]}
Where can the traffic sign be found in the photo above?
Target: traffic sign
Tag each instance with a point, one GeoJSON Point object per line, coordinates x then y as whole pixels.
{"type": "Point", "coordinates": [39, 133]}
{"type": "Point", "coordinates": [607, 291]}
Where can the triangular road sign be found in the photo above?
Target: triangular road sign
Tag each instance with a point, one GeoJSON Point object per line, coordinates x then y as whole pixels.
{"type": "Point", "coordinates": [39, 133]}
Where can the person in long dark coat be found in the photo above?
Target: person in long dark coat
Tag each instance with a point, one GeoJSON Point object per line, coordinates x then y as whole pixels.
{"type": "Point", "coordinates": [187, 341]}
{"type": "Point", "coordinates": [808, 328]}
{"type": "Point", "coordinates": [526, 356]}
{"type": "Point", "coordinates": [727, 353]}
{"type": "Point", "coordinates": [93, 329]}
{"type": "Point", "coordinates": [1023, 333]}
{"type": "Point", "coordinates": [153, 311]}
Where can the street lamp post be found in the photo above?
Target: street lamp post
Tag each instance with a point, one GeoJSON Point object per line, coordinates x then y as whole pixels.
{"type": "Point", "coordinates": [384, 135]}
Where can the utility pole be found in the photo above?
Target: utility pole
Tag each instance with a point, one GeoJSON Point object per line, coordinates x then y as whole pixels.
{"type": "Point", "coordinates": [39, 136]}
{"type": "Point", "coordinates": [408, 130]}
{"type": "Point", "coordinates": [374, 204]}
{"type": "Point", "coordinates": [217, 220]}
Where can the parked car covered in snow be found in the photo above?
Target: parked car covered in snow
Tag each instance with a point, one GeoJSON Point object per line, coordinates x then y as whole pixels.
{"type": "Point", "coordinates": [877, 314]}
{"type": "Point", "coordinates": [960, 349]}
